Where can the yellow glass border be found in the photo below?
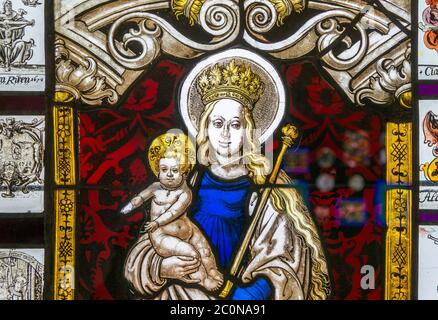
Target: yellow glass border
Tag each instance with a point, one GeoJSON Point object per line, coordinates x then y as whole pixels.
{"type": "Point", "coordinates": [64, 199]}
{"type": "Point", "coordinates": [64, 280]}
{"type": "Point", "coordinates": [63, 139]}
{"type": "Point", "coordinates": [398, 256]}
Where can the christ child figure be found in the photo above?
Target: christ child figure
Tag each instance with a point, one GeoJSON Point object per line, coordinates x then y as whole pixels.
{"type": "Point", "coordinates": [171, 157]}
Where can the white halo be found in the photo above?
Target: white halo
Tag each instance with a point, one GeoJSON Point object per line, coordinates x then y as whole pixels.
{"type": "Point", "coordinates": [250, 58]}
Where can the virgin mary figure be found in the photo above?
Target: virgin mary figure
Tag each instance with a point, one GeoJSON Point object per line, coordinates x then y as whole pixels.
{"type": "Point", "coordinates": [232, 102]}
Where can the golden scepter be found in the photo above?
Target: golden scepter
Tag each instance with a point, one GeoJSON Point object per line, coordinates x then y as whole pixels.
{"type": "Point", "coordinates": [290, 134]}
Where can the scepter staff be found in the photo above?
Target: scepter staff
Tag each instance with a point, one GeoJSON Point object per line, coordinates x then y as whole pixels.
{"type": "Point", "coordinates": [290, 134]}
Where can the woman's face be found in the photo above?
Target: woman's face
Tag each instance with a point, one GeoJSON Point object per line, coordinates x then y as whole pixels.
{"type": "Point", "coordinates": [225, 128]}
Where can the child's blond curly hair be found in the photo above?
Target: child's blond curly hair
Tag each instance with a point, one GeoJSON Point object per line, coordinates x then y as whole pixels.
{"type": "Point", "coordinates": [172, 145]}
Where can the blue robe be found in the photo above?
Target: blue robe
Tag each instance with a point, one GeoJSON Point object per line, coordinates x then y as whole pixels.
{"type": "Point", "coordinates": [219, 209]}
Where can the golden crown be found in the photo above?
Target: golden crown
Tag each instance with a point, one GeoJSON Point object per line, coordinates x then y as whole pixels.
{"type": "Point", "coordinates": [235, 81]}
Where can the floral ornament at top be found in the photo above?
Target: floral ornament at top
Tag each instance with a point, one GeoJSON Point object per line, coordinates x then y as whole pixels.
{"type": "Point", "coordinates": [218, 18]}
{"type": "Point", "coordinates": [189, 8]}
{"type": "Point", "coordinates": [286, 7]}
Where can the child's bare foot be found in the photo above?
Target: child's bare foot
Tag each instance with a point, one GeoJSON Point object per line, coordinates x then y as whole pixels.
{"type": "Point", "coordinates": [214, 280]}
{"type": "Point", "coordinates": [215, 274]}
{"type": "Point", "coordinates": [211, 284]}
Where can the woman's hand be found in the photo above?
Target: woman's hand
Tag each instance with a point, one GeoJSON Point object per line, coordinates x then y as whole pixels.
{"type": "Point", "coordinates": [179, 267]}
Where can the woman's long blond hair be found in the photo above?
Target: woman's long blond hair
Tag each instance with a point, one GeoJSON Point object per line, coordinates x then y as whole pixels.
{"type": "Point", "coordinates": [286, 201]}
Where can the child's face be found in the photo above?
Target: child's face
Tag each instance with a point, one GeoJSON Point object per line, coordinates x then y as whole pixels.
{"type": "Point", "coordinates": [169, 174]}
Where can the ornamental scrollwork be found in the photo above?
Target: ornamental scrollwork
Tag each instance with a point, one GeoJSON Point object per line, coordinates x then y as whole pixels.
{"type": "Point", "coordinates": [112, 43]}
{"type": "Point", "coordinates": [391, 81]}
{"type": "Point", "coordinates": [155, 35]}
{"type": "Point", "coordinates": [81, 78]}
{"type": "Point", "coordinates": [21, 155]}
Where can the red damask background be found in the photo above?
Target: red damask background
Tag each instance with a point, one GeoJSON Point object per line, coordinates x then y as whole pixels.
{"type": "Point", "coordinates": [113, 167]}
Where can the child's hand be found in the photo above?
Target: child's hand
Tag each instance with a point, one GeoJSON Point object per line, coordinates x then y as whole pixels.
{"type": "Point", "coordinates": [126, 209]}
{"type": "Point", "coordinates": [151, 226]}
